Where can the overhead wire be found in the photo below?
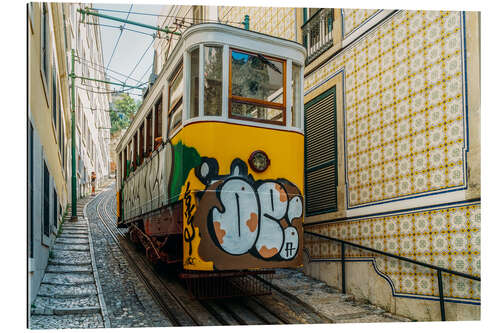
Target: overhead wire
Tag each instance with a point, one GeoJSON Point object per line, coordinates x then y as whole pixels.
{"type": "Point", "coordinates": [118, 73]}
{"type": "Point", "coordinates": [119, 37]}
{"type": "Point", "coordinates": [137, 64]}
{"type": "Point", "coordinates": [166, 16]}
{"type": "Point", "coordinates": [122, 27]}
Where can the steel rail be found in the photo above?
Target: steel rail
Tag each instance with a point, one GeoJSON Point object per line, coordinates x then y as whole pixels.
{"type": "Point", "coordinates": [164, 285]}
{"type": "Point", "coordinates": [295, 299]}
{"type": "Point", "coordinates": [153, 291]}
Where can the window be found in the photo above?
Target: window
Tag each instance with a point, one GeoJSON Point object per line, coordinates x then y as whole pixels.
{"type": "Point", "coordinates": [317, 31]}
{"type": "Point", "coordinates": [194, 97]}
{"type": "Point", "coordinates": [141, 144]}
{"type": "Point", "coordinates": [54, 206]}
{"type": "Point", "coordinates": [45, 44]}
{"type": "Point", "coordinates": [149, 133]}
{"type": "Point", "coordinates": [212, 98]}
{"type": "Point", "coordinates": [46, 200]}
{"type": "Point", "coordinates": [321, 153]}
{"type": "Point", "coordinates": [175, 90]}
{"type": "Point", "coordinates": [296, 95]}
{"type": "Point", "coordinates": [197, 14]}
{"type": "Point", "coordinates": [54, 96]}
{"type": "Point", "coordinates": [257, 88]}
{"type": "Point", "coordinates": [158, 122]}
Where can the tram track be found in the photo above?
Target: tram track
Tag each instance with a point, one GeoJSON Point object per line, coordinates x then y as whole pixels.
{"type": "Point", "coordinates": [179, 318]}
{"type": "Point", "coordinates": [180, 307]}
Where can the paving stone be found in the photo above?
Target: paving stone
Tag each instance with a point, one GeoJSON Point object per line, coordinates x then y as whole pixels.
{"type": "Point", "coordinates": [71, 257]}
{"type": "Point", "coordinates": [329, 301]}
{"type": "Point", "coordinates": [67, 321]}
{"type": "Point", "coordinates": [68, 269]}
{"type": "Point", "coordinates": [63, 291]}
{"type": "Point", "coordinates": [128, 302]}
{"type": "Point", "coordinates": [53, 302]}
{"type": "Point", "coordinates": [67, 279]}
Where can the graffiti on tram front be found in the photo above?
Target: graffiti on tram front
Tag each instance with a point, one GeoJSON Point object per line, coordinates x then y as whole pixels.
{"type": "Point", "coordinates": [244, 218]}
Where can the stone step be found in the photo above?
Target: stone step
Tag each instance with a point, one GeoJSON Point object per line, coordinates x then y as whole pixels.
{"type": "Point", "coordinates": [72, 241]}
{"type": "Point", "coordinates": [52, 302]}
{"type": "Point", "coordinates": [67, 279]}
{"type": "Point", "coordinates": [69, 262]}
{"type": "Point", "coordinates": [75, 229]}
{"type": "Point", "coordinates": [66, 311]}
{"type": "Point", "coordinates": [73, 257]}
{"type": "Point", "coordinates": [71, 247]}
{"type": "Point", "coordinates": [93, 320]}
{"type": "Point", "coordinates": [68, 269]}
{"type": "Point", "coordinates": [73, 236]}
{"type": "Point", "coordinates": [62, 291]}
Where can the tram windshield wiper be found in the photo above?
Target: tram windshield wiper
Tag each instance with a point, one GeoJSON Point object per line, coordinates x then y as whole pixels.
{"type": "Point", "coordinates": [267, 62]}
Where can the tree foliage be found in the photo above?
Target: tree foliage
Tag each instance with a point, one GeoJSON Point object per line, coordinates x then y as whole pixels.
{"type": "Point", "coordinates": [122, 112]}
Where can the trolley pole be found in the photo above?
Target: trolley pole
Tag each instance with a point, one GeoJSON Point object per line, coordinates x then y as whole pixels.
{"type": "Point", "coordinates": [73, 143]}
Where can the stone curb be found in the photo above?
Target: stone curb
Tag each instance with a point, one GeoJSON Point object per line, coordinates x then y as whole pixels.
{"type": "Point", "coordinates": [69, 295]}
{"type": "Point", "coordinates": [73, 311]}
{"type": "Point", "coordinates": [65, 311]}
{"type": "Point", "coordinates": [104, 310]}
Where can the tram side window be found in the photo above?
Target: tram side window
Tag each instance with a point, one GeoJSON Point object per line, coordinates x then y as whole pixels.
{"type": "Point", "coordinates": [212, 99]}
{"type": "Point", "coordinates": [175, 89]}
{"type": "Point", "coordinates": [149, 133]}
{"type": "Point", "coordinates": [141, 144]}
{"type": "Point", "coordinates": [257, 87]}
{"type": "Point", "coordinates": [195, 77]}
{"type": "Point", "coordinates": [136, 150]}
{"type": "Point", "coordinates": [296, 85]}
{"type": "Point", "coordinates": [158, 124]}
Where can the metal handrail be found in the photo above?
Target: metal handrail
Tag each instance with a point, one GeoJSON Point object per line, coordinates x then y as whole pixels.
{"type": "Point", "coordinates": [439, 270]}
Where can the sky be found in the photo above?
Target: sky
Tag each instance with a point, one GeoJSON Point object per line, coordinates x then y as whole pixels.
{"type": "Point", "coordinates": [131, 45]}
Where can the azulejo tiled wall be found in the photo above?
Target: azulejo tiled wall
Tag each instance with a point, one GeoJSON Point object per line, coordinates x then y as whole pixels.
{"type": "Point", "coordinates": [447, 237]}
{"type": "Point", "coordinates": [278, 22]}
{"type": "Point", "coordinates": [353, 18]}
{"type": "Point", "coordinates": [404, 107]}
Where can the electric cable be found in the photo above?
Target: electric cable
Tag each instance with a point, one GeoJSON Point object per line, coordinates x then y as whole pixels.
{"type": "Point", "coordinates": [137, 64]}
{"type": "Point", "coordinates": [118, 73]}
{"type": "Point", "coordinates": [120, 36]}
{"type": "Point", "coordinates": [160, 15]}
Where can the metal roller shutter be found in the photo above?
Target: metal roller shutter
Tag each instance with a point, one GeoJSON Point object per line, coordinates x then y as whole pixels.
{"type": "Point", "coordinates": [321, 153]}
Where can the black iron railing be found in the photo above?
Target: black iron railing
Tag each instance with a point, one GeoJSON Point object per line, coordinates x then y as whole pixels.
{"type": "Point", "coordinates": [439, 270]}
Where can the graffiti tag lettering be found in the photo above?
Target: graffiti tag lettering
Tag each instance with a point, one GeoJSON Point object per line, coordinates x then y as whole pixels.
{"type": "Point", "coordinates": [189, 231]}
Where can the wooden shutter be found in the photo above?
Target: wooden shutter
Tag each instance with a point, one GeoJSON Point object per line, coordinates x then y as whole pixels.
{"type": "Point", "coordinates": [321, 153]}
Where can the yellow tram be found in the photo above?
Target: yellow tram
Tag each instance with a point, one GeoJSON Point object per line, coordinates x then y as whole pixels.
{"type": "Point", "coordinates": [211, 170]}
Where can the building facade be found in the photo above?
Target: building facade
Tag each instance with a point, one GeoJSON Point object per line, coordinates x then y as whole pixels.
{"type": "Point", "coordinates": [392, 114]}
{"type": "Point", "coordinates": [52, 30]}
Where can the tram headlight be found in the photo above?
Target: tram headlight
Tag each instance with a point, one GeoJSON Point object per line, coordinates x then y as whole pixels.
{"type": "Point", "coordinates": [259, 161]}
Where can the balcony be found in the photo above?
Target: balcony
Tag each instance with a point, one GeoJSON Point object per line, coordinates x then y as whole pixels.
{"type": "Point", "coordinates": [317, 33]}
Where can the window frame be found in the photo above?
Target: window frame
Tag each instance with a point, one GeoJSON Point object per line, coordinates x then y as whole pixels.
{"type": "Point", "coordinates": [252, 101]}
{"type": "Point", "coordinates": [175, 106]}
{"type": "Point", "coordinates": [44, 48]}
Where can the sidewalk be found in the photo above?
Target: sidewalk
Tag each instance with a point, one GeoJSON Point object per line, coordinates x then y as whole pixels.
{"type": "Point", "coordinates": [69, 295]}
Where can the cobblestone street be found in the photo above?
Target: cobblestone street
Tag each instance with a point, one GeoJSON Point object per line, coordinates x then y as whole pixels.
{"type": "Point", "coordinates": [79, 292]}
{"type": "Point", "coordinates": [128, 302]}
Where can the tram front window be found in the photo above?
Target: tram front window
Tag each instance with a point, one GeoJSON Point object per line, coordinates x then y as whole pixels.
{"type": "Point", "coordinates": [257, 87]}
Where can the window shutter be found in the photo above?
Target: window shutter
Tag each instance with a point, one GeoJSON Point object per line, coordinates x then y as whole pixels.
{"type": "Point", "coordinates": [321, 154]}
